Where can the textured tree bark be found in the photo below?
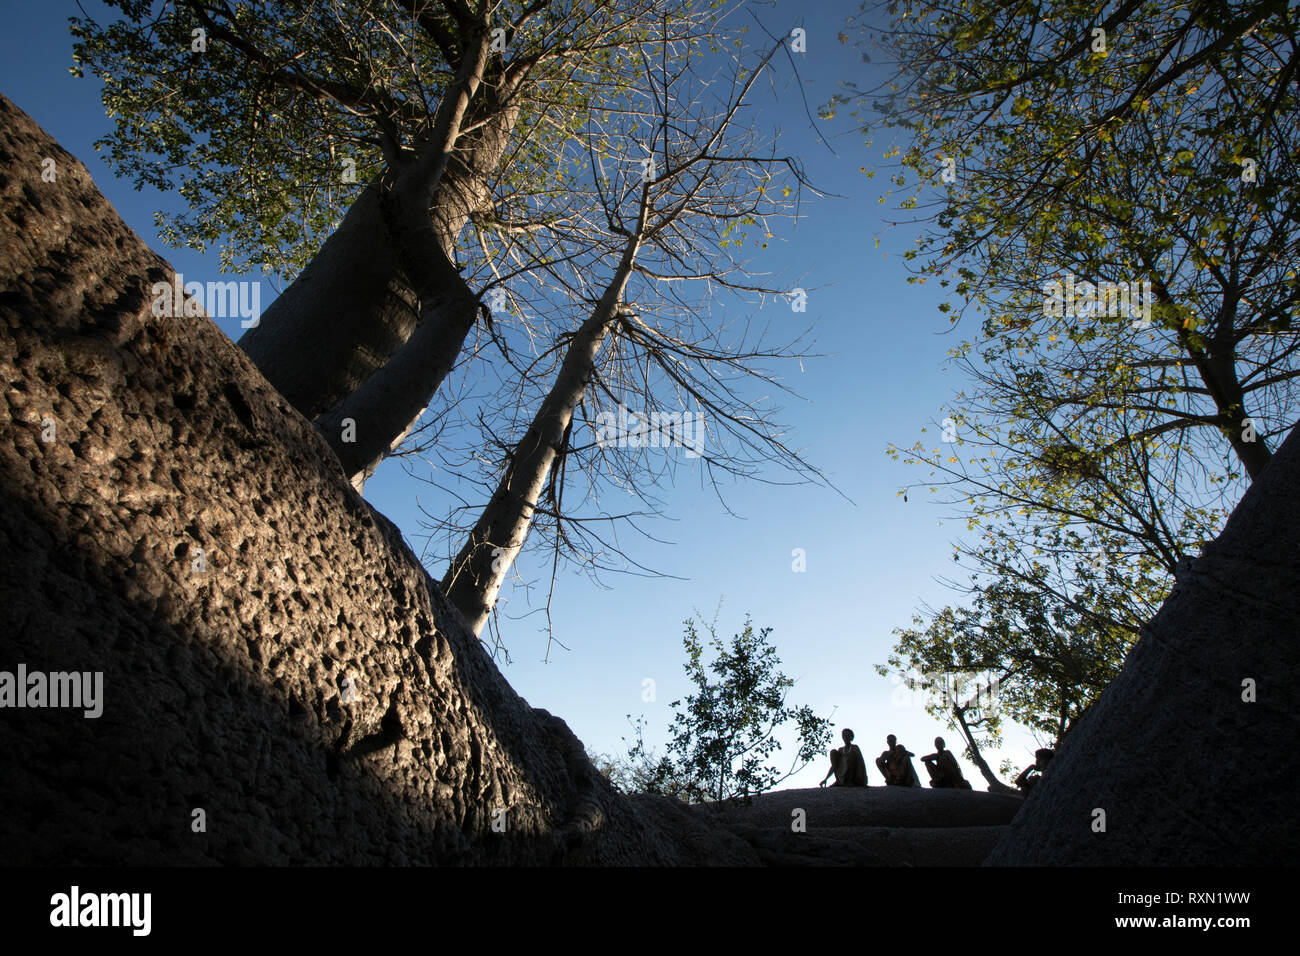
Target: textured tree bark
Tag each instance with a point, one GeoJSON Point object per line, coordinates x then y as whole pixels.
{"type": "Point", "coordinates": [271, 651]}
{"type": "Point", "coordinates": [1186, 758]}
{"type": "Point", "coordinates": [356, 303]}
{"type": "Point", "coordinates": [364, 425]}
{"type": "Point", "coordinates": [1254, 454]}
{"type": "Point", "coordinates": [344, 314]}
{"type": "Point", "coordinates": [1218, 372]}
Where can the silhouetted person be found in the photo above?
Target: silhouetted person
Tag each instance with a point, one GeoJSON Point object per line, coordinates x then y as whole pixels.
{"type": "Point", "coordinates": [944, 770]}
{"type": "Point", "coordinates": [847, 764]}
{"type": "Point", "coordinates": [1030, 776]}
{"type": "Point", "coordinates": [896, 765]}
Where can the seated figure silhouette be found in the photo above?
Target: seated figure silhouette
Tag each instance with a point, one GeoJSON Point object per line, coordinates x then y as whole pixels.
{"type": "Point", "coordinates": [1030, 776]}
{"type": "Point", "coordinates": [847, 764]}
{"type": "Point", "coordinates": [896, 765]}
{"type": "Point", "coordinates": [945, 773]}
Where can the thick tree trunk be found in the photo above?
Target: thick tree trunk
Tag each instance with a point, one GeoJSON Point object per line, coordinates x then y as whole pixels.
{"type": "Point", "coordinates": [345, 313]}
{"type": "Point", "coordinates": [367, 422]}
{"type": "Point", "coordinates": [356, 304]}
{"type": "Point", "coordinates": [477, 572]}
{"type": "Point", "coordinates": [1252, 452]}
{"type": "Point", "coordinates": [363, 427]}
{"type": "Point", "coordinates": [280, 682]}
{"type": "Point", "coordinates": [1218, 371]}
{"type": "Point", "coordinates": [1186, 758]}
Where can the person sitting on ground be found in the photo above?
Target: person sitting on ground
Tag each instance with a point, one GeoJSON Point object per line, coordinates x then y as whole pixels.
{"type": "Point", "coordinates": [847, 764]}
{"type": "Point", "coordinates": [1030, 776]}
{"type": "Point", "coordinates": [945, 773]}
{"type": "Point", "coordinates": [896, 766]}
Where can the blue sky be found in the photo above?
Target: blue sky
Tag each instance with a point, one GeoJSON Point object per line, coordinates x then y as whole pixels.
{"type": "Point", "coordinates": [870, 561]}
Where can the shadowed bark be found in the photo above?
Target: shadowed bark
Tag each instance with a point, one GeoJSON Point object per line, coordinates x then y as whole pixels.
{"type": "Point", "coordinates": [386, 272]}
{"type": "Point", "coordinates": [1188, 753]}
{"type": "Point", "coordinates": [189, 536]}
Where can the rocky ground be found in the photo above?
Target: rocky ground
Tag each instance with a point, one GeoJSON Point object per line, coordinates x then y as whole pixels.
{"type": "Point", "coordinates": [872, 826]}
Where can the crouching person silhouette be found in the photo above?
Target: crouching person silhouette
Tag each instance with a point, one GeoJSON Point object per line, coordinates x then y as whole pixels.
{"type": "Point", "coordinates": [945, 773]}
{"type": "Point", "coordinates": [895, 764]}
{"type": "Point", "coordinates": [1030, 776]}
{"type": "Point", "coordinates": [847, 765]}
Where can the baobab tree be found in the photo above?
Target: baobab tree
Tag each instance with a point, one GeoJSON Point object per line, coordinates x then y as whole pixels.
{"type": "Point", "coordinates": [1154, 143]}
{"type": "Point", "coordinates": [267, 109]}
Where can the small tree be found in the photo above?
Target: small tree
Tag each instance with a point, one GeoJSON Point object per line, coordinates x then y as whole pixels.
{"type": "Point", "coordinates": [1043, 660]}
{"type": "Point", "coordinates": [724, 737]}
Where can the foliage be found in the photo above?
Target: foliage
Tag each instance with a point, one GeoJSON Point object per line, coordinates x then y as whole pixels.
{"type": "Point", "coordinates": [256, 129]}
{"type": "Point", "coordinates": [1045, 661]}
{"type": "Point", "coordinates": [1140, 144]}
{"type": "Point", "coordinates": [723, 735]}
{"type": "Point", "coordinates": [1112, 158]}
{"type": "Point", "coordinates": [640, 770]}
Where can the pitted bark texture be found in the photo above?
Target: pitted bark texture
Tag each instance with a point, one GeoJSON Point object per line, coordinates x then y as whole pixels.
{"type": "Point", "coordinates": [223, 688]}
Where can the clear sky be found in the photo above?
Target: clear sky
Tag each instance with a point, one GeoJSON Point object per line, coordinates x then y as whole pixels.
{"type": "Point", "coordinates": [870, 561]}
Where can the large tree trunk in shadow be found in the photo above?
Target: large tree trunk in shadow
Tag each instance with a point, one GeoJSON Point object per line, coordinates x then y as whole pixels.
{"type": "Point", "coordinates": [371, 418]}
{"type": "Point", "coordinates": [272, 653]}
{"type": "Point", "coordinates": [345, 313]}
{"type": "Point", "coordinates": [365, 424]}
{"type": "Point", "coordinates": [1190, 753]}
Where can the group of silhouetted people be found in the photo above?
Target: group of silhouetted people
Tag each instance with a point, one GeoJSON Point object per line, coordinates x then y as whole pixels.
{"type": "Point", "coordinates": [895, 765]}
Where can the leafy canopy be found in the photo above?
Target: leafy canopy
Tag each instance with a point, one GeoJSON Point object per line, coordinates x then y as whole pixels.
{"type": "Point", "coordinates": [260, 124]}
